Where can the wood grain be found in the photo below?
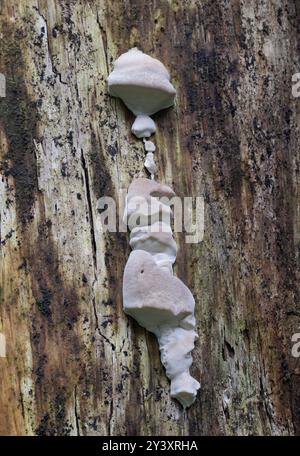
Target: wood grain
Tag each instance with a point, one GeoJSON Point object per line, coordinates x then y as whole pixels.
{"type": "Point", "coordinates": [75, 364]}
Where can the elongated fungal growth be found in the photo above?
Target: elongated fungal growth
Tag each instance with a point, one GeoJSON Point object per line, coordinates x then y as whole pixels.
{"type": "Point", "coordinates": [158, 300]}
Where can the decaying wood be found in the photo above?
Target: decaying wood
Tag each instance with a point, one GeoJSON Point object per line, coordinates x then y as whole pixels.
{"type": "Point", "coordinates": [75, 364]}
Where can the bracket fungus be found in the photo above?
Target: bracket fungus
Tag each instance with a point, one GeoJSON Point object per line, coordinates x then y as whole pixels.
{"type": "Point", "coordinates": [159, 301]}
{"type": "Point", "coordinates": [143, 83]}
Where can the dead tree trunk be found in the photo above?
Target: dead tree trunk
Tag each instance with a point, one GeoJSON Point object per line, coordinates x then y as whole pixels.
{"type": "Point", "coordinates": [75, 364]}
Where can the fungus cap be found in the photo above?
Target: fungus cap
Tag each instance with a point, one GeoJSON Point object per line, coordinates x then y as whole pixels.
{"type": "Point", "coordinates": [142, 82]}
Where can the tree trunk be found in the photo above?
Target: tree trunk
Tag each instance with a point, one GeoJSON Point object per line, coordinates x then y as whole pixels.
{"type": "Point", "coordinates": [75, 364]}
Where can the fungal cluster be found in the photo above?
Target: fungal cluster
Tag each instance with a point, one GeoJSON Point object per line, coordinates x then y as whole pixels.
{"type": "Point", "coordinates": [143, 84]}
{"type": "Point", "coordinates": [159, 301]}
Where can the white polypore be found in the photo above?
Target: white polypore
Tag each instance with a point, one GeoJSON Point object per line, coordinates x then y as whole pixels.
{"type": "Point", "coordinates": [152, 295]}
{"type": "Point", "coordinates": [143, 83]}
{"type": "Point", "coordinates": [157, 299]}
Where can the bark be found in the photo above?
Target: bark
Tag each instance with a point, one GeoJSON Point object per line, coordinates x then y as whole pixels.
{"type": "Point", "coordinates": [75, 364]}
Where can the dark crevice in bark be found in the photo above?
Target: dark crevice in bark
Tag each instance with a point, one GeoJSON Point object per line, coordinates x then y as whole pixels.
{"type": "Point", "coordinates": [90, 208]}
{"type": "Point", "coordinates": [111, 405]}
{"type": "Point", "coordinates": [95, 314]}
{"type": "Point", "coordinates": [107, 340]}
{"type": "Point", "coordinates": [76, 412]}
{"type": "Point", "coordinates": [97, 327]}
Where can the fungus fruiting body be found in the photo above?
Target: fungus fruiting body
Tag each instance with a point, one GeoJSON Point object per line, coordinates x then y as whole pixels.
{"type": "Point", "coordinates": [159, 301]}
{"type": "Point", "coordinates": [143, 83]}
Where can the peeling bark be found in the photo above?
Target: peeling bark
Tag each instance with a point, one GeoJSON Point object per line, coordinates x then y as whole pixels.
{"type": "Point", "coordinates": [75, 364]}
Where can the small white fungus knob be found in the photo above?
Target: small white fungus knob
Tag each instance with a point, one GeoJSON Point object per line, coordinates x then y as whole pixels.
{"type": "Point", "coordinates": [149, 146]}
{"type": "Point", "coordinates": [143, 126]}
{"type": "Point", "coordinates": [150, 164]}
